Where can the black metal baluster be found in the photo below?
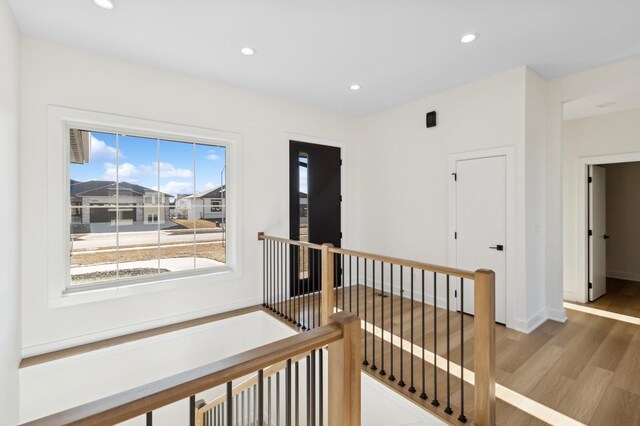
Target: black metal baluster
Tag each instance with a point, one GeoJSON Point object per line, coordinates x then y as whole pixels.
{"type": "Point", "coordinates": [448, 409]}
{"type": "Point", "coordinates": [342, 277]}
{"type": "Point", "coordinates": [268, 400]}
{"type": "Point", "coordinates": [358, 287]}
{"type": "Point", "coordinates": [382, 371]}
{"type": "Point", "coordinates": [391, 345]}
{"type": "Point", "coordinates": [288, 397]}
{"type": "Point", "coordinates": [435, 401]}
{"type": "Point", "coordinates": [308, 390]}
{"type": "Point", "coordinates": [299, 272]}
{"type": "Point", "coordinates": [366, 324]}
{"type": "Point", "coordinates": [305, 286]}
{"type": "Point", "coordinates": [297, 395]}
{"type": "Point", "coordinates": [273, 275]}
{"type": "Point", "coordinates": [462, 417]}
{"type": "Point", "coordinates": [287, 291]}
{"type": "Point", "coordinates": [320, 389]}
{"type": "Point", "coordinates": [229, 404]}
{"type": "Point", "coordinates": [261, 397]}
{"type": "Point", "coordinates": [374, 367]}
{"type": "Point", "coordinates": [192, 410]}
{"type": "Point", "coordinates": [312, 386]}
{"type": "Point", "coordinates": [149, 418]}
{"type": "Point", "coordinates": [278, 398]}
{"type": "Point", "coordinates": [401, 381]}
{"type": "Point", "coordinates": [423, 395]}
{"type": "Point", "coordinates": [412, 388]}
{"type": "Point", "coordinates": [281, 281]}
{"type": "Point", "coordinates": [238, 410]}
{"type": "Point", "coordinates": [350, 283]}
{"type": "Point", "coordinates": [316, 289]}
{"type": "Point", "coordinates": [264, 273]}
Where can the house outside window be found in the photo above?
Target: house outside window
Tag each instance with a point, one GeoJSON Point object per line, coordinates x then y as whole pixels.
{"type": "Point", "coordinates": [136, 207]}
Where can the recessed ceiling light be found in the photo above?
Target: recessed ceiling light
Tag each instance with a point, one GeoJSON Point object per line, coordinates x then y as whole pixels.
{"type": "Point", "coordinates": [354, 87]}
{"type": "Point", "coordinates": [247, 51]}
{"type": "Point", "coordinates": [468, 38]}
{"type": "Point", "coordinates": [606, 105]}
{"type": "Point", "coordinates": [105, 4]}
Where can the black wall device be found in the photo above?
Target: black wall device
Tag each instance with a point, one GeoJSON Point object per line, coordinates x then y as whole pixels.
{"type": "Point", "coordinates": [431, 119]}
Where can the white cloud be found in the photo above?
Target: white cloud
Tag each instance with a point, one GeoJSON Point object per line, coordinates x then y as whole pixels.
{"type": "Point", "coordinates": [212, 157]}
{"type": "Point", "coordinates": [101, 151]}
{"type": "Point", "coordinates": [169, 170]}
{"type": "Point", "coordinates": [176, 187]}
{"type": "Point", "coordinates": [125, 172]}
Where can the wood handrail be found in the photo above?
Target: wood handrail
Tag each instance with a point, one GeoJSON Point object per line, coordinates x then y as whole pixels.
{"type": "Point", "coordinates": [263, 237]}
{"type": "Point", "coordinates": [143, 399]}
{"type": "Point", "coordinates": [241, 387]}
{"type": "Point", "coordinates": [408, 263]}
{"type": "Point", "coordinates": [461, 273]}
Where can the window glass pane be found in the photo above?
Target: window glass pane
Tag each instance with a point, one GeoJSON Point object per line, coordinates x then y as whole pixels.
{"type": "Point", "coordinates": [138, 205]}
{"type": "Point", "coordinates": [210, 204]}
{"type": "Point", "coordinates": [177, 186]}
{"type": "Point", "coordinates": [93, 158]}
{"type": "Point", "coordinates": [142, 206]}
{"type": "Point", "coordinates": [93, 245]}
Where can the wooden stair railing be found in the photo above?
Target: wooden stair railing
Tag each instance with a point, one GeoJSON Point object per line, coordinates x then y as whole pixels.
{"type": "Point", "coordinates": [341, 335]}
{"type": "Point", "coordinates": [325, 276]}
{"type": "Point", "coordinates": [203, 407]}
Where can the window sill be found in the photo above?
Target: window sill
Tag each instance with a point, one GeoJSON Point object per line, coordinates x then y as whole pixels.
{"type": "Point", "coordinates": [92, 293]}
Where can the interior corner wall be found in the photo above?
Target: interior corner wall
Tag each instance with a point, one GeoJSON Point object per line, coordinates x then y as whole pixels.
{"type": "Point", "coordinates": [53, 74]}
{"type": "Point", "coordinates": [535, 177]}
{"type": "Point", "coordinates": [10, 223]}
{"type": "Point", "coordinates": [562, 273]}
{"type": "Point", "coordinates": [403, 172]}
{"type": "Point", "coordinates": [609, 134]}
{"type": "Point", "coordinates": [623, 217]}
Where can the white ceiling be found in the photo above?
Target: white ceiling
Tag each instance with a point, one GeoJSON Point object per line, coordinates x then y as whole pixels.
{"type": "Point", "coordinates": [603, 103]}
{"type": "Point", "coordinates": [311, 51]}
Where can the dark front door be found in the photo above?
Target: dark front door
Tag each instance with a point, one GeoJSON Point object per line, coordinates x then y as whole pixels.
{"type": "Point", "coordinates": [314, 200]}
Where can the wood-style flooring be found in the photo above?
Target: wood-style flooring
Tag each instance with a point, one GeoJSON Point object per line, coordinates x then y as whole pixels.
{"type": "Point", "coordinates": [622, 297]}
{"type": "Point", "coordinates": [587, 368]}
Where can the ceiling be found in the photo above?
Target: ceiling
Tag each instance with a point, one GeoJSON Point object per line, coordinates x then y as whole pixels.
{"type": "Point", "coordinates": [603, 103]}
{"type": "Point", "coordinates": [312, 51]}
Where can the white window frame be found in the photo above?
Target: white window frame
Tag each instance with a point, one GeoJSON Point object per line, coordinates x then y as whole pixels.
{"type": "Point", "coordinates": [59, 121]}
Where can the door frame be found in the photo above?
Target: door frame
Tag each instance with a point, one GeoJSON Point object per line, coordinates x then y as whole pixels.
{"type": "Point", "coordinates": [582, 210]}
{"type": "Point", "coordinates": [509, 152]}
{"type": "Point", "coordinates": [284, 225]}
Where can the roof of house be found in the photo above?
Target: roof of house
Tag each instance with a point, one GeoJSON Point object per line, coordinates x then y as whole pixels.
{"type": "Point", "coordinates": [211, 193]}
{"type": "Point", "coordinates": [98, 188]}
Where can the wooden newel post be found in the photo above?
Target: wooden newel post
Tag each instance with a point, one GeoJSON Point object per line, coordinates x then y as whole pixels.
{"type": "Point", "coordinates": [327, 290]}
{"type": "Point", "coordinates": [344, 372]}
{"type": "Point", "coordinates": [485, 348]}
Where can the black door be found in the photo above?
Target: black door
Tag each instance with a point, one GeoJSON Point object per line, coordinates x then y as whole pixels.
{"type": "Point", "coordinates": [314, 216]}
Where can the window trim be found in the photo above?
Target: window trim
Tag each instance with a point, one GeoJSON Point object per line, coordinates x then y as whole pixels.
{"type": "Point", "coordinates": [60, 120]}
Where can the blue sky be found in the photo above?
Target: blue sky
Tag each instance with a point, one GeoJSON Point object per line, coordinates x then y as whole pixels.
{"type": "Point", "coordinates": [145, 162]}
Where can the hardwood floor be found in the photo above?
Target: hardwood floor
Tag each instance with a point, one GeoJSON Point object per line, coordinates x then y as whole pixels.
{"type": "Point", "coordinates": [622, 297]}
{"type": "Point", "coordinates": [587, 368]}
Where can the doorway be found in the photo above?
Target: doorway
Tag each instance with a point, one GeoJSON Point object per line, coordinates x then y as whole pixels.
{"type": "Point", "coordinates": [613, 236]}
{"type": "Point", "coordinates": [481, 222]}
{"type": "Point", "coordinates": [314, 208]}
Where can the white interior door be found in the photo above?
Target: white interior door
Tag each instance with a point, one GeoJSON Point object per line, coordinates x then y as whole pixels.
{"type": "Point", "coordinates": [597, 238]}
{"type": "Point", "coordinates": [481, 225]}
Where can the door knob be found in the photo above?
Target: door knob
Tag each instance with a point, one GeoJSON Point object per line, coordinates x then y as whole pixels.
{"type": "Point", "coordinates": [606, 237]}
{"type": "Point", "coordinates": [498, 247]}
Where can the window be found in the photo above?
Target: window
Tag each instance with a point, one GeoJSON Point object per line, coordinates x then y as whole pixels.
{"type": "Point", "coordinates": [137, 206]}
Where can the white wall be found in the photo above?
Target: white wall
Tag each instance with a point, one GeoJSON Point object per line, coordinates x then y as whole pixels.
{"type": "Point", "coordinates": [403, 175]}
{"type": "Point", "coordinates": [623, 218]}
{"type": "Point", "coordinates": [57, 75]}
{"type": "Point", "coordinates": [609, 134]}
{"type": "Point", "coordinates": [10, 223]}
{"type": "Point", "coordinates": [563, 270]}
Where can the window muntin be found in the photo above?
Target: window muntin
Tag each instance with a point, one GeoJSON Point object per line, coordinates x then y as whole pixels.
{"type": "Point", "coordinates": [137, 206]}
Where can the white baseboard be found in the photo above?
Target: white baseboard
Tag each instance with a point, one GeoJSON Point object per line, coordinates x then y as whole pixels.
{"type": "Point", "coordinates": [93, 337]}
{"type": "Point", "coordinates": [621, 275]}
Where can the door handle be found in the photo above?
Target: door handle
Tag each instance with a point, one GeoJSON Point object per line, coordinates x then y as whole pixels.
{"type": "Point", "coordinates": [606, 237]}
{"type": "Point", "coordinates": [498, 247]}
